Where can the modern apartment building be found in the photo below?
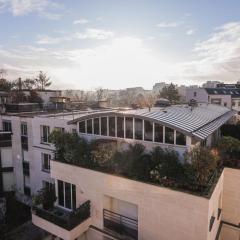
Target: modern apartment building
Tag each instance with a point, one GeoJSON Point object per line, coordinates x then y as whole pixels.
{"type": "Point", "coordinates": [221, 95]}
{"type": "Point", "coordinates": [117, 204]}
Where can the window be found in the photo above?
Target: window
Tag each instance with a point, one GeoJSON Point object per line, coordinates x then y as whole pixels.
{"type": "Point", "coordinates": [180, 138]}
{"type": "Point", "coordinates": [158, 136]}
{"type": "Point", "coordinates": [48, 185]}
{"type": "Point", "coordinates": [138, 129]}
{"type": "Point", "coordinates": [195, 94]}
{"type": "Point", "coordinates": [112, 126]}
{"type": "Point", "coordinates": [27, 191]}
{"type": "Point", "coordinates": [96, 126]}
{"type": "Point", "coordinates": [7, 126]}
{"type": "Point", "coordinates": [148, 131]}
{"type": "Point", "coordinates": [46, 162]}
{"type": "Point", "coordinates": [169, 135]}
{"type": "Point", "coordinates": [225, 104]}
{"type": "Point", "coordinates": [26, 169]}
{"type": "Point", "coordinates": [104, 126]}
{"type": "Point", "coordinates": [24, 129]}
{"type": "Point", "coordinates": [66, 195]}
{"type": "Point", "coordinates": [24, 137]}
{"type": "Point", "coordinates": [82, 128]}
{"type": "Point", "coordinates": [129, 127]}
{"type": "Point", "coordinates": [89, 126]}
{"type": "Point", "coordinates": [45, 131]}
{"type": "Point", "coordinates": [233, 103]}
{"type": "Point", "coordinates": [120, 127]}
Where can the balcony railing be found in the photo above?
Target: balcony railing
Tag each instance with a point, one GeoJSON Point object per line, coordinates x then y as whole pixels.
{"type": "Point", "coordinates": [62, 218]}
{"type": "Point", "coordinates": [120, 224]}
{"type": "Point", "coordinates": [5, 139]}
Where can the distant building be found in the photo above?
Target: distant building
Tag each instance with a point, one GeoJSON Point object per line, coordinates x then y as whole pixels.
{"type": "Point", "coordinates": [210, 84]}
{"type": "Point", "coordinates": [227, 97]}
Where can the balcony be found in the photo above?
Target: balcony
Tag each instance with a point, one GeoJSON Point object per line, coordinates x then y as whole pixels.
{"type": "Point", "coordinates": [65, 224]}
{"type": "Point", "coordinates": [120, 224]}
{"type": "Point", "coordinates": [5, 139]}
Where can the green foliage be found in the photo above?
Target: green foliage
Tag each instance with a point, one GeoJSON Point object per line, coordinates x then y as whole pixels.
{"type": "Point", "coordinates": [46, 197]}
{"type": "Point", "coordinates": [229, 151]}
{"type": "Point", "coordinates": [5, 85]}
{"type": "Point", "coordinates": [200, 164]}
{"type": "Point", "coordinates": [171, 93]}
{"type": "Point", "coordinates": [231, 130]}
{"type": "Point", "coordinates": [42, 81]}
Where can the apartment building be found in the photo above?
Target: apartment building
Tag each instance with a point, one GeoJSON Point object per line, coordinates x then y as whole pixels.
{"type": "Point", "coordinates": [221, 95]}
{"type": "Point", "coordinates": [145, 211]}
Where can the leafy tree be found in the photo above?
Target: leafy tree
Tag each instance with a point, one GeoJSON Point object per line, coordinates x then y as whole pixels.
{"type": "Point", "coordinates": [42, 81]}
{"type": "Point", "coordinates": [34, 97]}
{"type": "Point", "coordinates": [232, 130]}
{"type": "Point", "coordinates": [171, 93]}
{"type": "Point", "coordinates": [29, 83]}
{"type": "Point", "coordinates": [200, 164]}
{"type": "Point", "coordinates": [5, 85]}
{"type": "Point", "coordinates": [229, 150]}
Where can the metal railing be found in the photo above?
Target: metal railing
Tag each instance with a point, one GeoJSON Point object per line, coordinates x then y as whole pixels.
{"type": "Point", "coordinates": [63, 218]}
{"type": "Point", "coordinates": [120, 224]}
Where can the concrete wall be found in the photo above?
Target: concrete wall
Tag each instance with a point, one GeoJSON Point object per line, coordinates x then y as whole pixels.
{"type": "Point", "coordinates": [201, 95]}
{"type": "Point", "coordinates": [231, 196]}
{"type": "Point", "coordinates": [162, 213]}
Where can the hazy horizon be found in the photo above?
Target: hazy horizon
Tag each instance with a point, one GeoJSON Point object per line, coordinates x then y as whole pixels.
{"type": "Point", "coordinates": [120, 44]}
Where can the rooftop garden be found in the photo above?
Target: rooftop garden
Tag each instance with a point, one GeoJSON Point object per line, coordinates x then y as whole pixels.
{"type": "Point", "coordinates": [197, 173]}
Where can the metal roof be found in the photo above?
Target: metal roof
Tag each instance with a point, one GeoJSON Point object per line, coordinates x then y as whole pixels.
{"type": "Point", "coordinates": [199, 121]}
{"type": "Point", "coordinates": [234, 92]}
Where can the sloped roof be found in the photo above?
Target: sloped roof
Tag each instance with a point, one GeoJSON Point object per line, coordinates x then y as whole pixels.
{"type": "Point", "coordinates": [199, 121]}
{"type": "Point", "coordinates": [234, 92]}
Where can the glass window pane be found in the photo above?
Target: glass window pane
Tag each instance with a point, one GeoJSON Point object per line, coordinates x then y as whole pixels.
{"type": "Point", "coordinates": [89, 126]}
{"type": "Point", "coordinates": [138, 129]}
{"type": "Point", "coordinates": [73, 196]}
{"type": "Point", "coordinates": [68, 200]}
{"type": "Point", "coordinates": [82, 127]}
{"type": "Point", "coordinates": [129, 127]}
{"type": "Point", "coordinates": [169, 135]}
{"type": "Point", "coordinates": [158, 133]}
{"type": "Point", "coordinates": [96, 126]}
{"type": "Point", "coordinates": [112, 126]}
{"type": "Point", "coordinates": [60, 193]}
{"type": "Point", "coordinates": [148, 131]}
{"type": "Point", "coordinates": [104, 126]}
{"type": "Point", "coordinates": [180, 138]}
{"type": "Point", "coordinates": [120, 127]}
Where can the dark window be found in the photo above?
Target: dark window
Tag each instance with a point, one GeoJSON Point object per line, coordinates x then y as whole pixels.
{"type": "Point", "coordinates": [158, 133]}
{"type": "Point", "coordinates": [180, 138]}
{"type": "Point", "coordinates": [195, 94]}
{"type": "Point", "coordinates": [120, 127]}
{"type": "Point", "coordinates": [60, 129]}
{"type": "Point", "coordinates": [73, 196]}
{"type": "Point", "coordinates": [169, 135]}
{"type": "Point", "coordinates": [89, 126]}
{"type": "Point", "coordinates": [60, 193]}
{"type": "Point", "coordinates": [129, 127]}
{"type": "Point", "coordinates": [112, 126]}
{"type": "Point", "coordinates": [138, 129]}
{"type": "Point", "coordinates": [46, 162]}
{"type": "Point", "coordinates": [68, 202]}
{"type": "Point", "coordinates": [82, 128]}
{"type": "Point", "coordinates": [148, 131]}
{"type": "Point", "coordinates": [45, 131]}
{"type": "Point", "coordinates": [26, 169]}
{"type": "Point", "coordinates": [7, 126]}
{"type": "Point", "coordinates": [104, 126]}
{"type": "Point", "coordinates": [96, 126]}
{"type": "Point", "coordinates": [27, 191]}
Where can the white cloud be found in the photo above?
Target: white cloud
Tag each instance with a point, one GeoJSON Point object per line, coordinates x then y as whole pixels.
{"type": "Point", "coordinates": [93, 33]}
{"type": "Point", "coordinates": [25, 7]}
{"type": "Point", "coordinates": [191, 31]}
{"type": "Point", "coordinates": [169, 24]}
{"type": "Point", "coordinates": [218, 57]}
{"type": "Point", "coordinates": [44, 39]}
{"type": "Point", "coordinates": [81, 21]}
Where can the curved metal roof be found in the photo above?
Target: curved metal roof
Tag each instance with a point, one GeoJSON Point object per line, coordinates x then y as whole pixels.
{"type": "Point", "coordinates": [199, 121]}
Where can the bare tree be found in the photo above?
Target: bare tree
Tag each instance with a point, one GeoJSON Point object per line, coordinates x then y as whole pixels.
{"type": "Point", "coordinates": [29, 83]}
{"type": "Point", "coordinates": [42, 81]}
{"type": "Point", "coordinates": [3, 73]}
{"type": "Point", "coordinates": [101, 93]}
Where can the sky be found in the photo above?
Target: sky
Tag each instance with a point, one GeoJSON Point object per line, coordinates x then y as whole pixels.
{"type": "Point", "coordinates": [86, 44]}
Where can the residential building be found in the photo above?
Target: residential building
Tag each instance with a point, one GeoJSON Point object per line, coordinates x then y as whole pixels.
{"type": "Point", "coordinates": [141, 210]}
{"type": "Point", "coordinates": [228, 97]}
